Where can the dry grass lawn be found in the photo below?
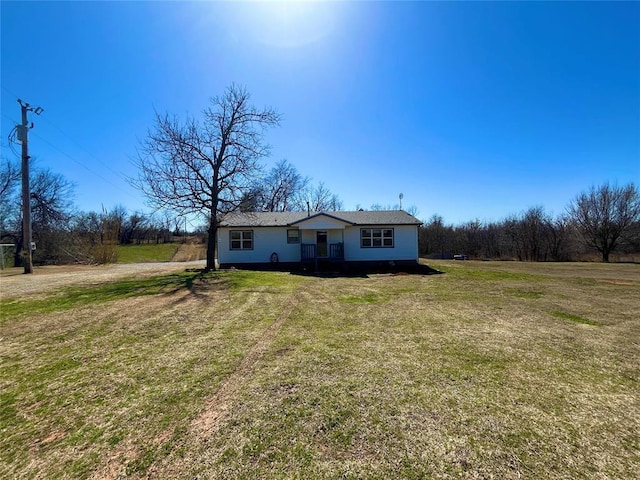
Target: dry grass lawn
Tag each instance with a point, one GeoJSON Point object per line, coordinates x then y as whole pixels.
{"type": "Point", "coordinates": [490, 370]}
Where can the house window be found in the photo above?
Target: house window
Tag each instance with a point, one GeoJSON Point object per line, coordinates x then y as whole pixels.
{"type": "Point", "coordinates": [293, 236]}
{"type": "Point", "coordinates": [241, 239]}
{"type": "Point", "coordinates": [376, 237]}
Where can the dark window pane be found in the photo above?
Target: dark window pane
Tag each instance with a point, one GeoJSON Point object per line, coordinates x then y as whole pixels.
{"type": "Point", "coordinates": [293, 236]}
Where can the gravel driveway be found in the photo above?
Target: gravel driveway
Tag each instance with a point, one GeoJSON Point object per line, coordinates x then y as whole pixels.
{"type": "Point", "coordinates": [13, 282]}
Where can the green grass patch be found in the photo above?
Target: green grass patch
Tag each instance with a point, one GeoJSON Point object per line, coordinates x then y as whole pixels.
{"type": "Point", "coordinates": [576, 318]}
{"type": "Point", "coordinates": [524, 293]}
{"type": "Point", "coordinates": [146, 252]}
{"type": "Point", "coordinates": [366, 298]}
{"type": "Point", "coordinates": [272, 375]}
{"type": "Point", "coordinates": [493, 275]}
{"type": "Point", "coordinates": [247, 280]}
{"type": "Point", "coordinates": [78, 296]}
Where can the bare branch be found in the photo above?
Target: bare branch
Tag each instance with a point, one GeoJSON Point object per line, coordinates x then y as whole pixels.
{"type": "Point", "coordinates": [204, 168]}
{"type": "Point", "coordinates": [604, 214]}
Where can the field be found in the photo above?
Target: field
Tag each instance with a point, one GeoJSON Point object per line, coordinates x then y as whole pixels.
{"type": "Point", "coordinates": [151, 252]}
{"type": "Point", "coordinates": [161, 252]}
{"type": "Point", "coordinates": [489, 370]}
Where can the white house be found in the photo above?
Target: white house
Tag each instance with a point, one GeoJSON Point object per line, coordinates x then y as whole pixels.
{"type": "Point", "coordinates": [290, 239]}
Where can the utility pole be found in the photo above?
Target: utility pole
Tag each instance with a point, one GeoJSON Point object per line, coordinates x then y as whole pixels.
{"type": "Point", "coordinates": [23, 130]}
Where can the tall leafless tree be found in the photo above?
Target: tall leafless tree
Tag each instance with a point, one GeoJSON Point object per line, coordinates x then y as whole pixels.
{"type": "Point", "coordinates": [205, 167]}
{"type": "Point", "coordinates": [9, 175]}
{"type": "Point", "coordinates": [51, 210]}
{"type": "Point", "coordinates": [320, 198]}
{"type": "Point", "coordinates": [281, 189]}
{"type": "Point", "coordinates": [51, 199]}
{"type": "Point", "coordinates": [9, 182]}
{"type": "Point", "coordinates": [604, 214]}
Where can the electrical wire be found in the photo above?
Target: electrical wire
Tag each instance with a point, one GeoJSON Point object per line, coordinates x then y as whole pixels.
{"type": "Point", "coordinates": [12, 140]}
{"type": "Point", "coordinates": [69, 137]}
{"type": "Point", "coordinates": [81, 164]}
{"type": "Point", "coordinates": [73, 140]}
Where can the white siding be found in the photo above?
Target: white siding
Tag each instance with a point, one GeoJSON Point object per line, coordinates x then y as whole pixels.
{"type": "Point", "coordinates": [321, 222]}
{"type": "Point", "coordinates": [308, 236]}
{"type": "Point", "coordinates": [333, 236]}
{"type": "Point", "coordinates": [266, 240]}
{"type": "Point", "coordinates": [405, 245]}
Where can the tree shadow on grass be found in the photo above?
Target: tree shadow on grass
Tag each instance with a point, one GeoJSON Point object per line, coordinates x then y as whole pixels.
{"type": "Point", "coordinates": [363, 271]}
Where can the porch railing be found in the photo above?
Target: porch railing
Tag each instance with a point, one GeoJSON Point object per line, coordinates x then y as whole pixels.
{"type": "Point", "coordinates": [309, 252]}
{"type": "Point", "coordinates": [336, 251]}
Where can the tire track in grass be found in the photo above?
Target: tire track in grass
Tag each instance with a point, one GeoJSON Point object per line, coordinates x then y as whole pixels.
{"type": "Point", "coordinates": [115, 466]}
{"type": "Point", "coordinates": [207, 422]}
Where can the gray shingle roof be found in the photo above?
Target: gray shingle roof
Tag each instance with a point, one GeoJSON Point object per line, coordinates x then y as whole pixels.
{"type": "Point", "coordinates": [283, 219]}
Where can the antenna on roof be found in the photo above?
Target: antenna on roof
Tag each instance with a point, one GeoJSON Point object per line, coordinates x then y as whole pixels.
{"type": "Point", "coordinates": [401, 196]}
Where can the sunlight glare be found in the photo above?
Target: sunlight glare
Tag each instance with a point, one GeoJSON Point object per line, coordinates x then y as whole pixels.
{"type": "Point", "coordinates": [292, 24]}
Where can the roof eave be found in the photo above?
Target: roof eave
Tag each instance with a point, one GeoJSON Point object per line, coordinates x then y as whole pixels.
{"type": "Point", "coordinates": [324, 214]}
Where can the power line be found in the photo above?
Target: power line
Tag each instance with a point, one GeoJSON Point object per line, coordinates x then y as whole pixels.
{"type": "Point", "coordinates": [81, 164]}
{"type": "Point", "coordinates": [59, 150]}
{"type": "Point", "coordinates": [73, 140]}
{"type": "Point", "coordinates": [103, 164]}
{"type": "Point", "coordinates": [107, 167]}
{"type": "Point", "coordinates": [8, 91]}
{"type": "Point", "coordinates": [13, 140]}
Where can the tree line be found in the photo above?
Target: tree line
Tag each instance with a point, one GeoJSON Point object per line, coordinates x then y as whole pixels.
{"type": "Point", "coordinates": [210, 166]}
{"type": "Point", "coordinates": [65, 235]}
{"type": "Point", "coordinates": [61, 232]}
{"type": "Point", "coordinates": [602, 220]}
{"type": "Point", "coordinates": [187, 168]}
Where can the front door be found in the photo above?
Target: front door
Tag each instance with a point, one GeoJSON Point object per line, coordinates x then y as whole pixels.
{"type": "Point", "coordinates": [321, 243]}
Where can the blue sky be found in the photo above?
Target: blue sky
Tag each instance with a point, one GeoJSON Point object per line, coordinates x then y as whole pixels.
{"type": "Point", "coordinates": [471, 110]}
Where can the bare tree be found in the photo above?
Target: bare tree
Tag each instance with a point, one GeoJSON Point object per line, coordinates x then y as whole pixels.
{"type": "Point", "coordinates": [9, 181]}
{"type": "Point", "coordinates": [437, 238]}
{"type": "Point", "coordinates": [280, 190]}
{"type": "Point", "coordinates": [51, 199]}
{"type": "Point", "coordinates": [51, 211]}
{"type": "Point", "coordinates": [377, 207]}
{"type": "Point", "coordinates": [412, 210]}
{"type": "Point", "coordinates": [252, 199]}
{"type": "Point", "coordinates": [204, 168]}
{"type": "Point", "coordinates": [604, 214]}
{"type": "Point", "coordinates": [9, 175]}
{"type": "Point", "coordinates": [319, 199]}
{"type": "Point", "coordinates": [559, 236]}
{"type": "Point", "coordinates": [95, 236]}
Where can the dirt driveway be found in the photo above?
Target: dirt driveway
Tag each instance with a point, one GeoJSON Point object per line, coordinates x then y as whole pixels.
{"type": "Point", "coordinates": [13, 282]}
